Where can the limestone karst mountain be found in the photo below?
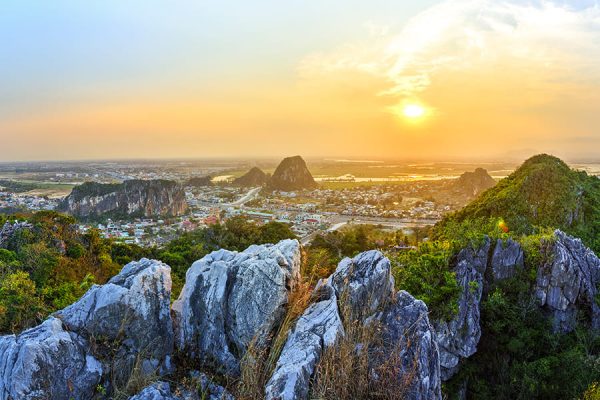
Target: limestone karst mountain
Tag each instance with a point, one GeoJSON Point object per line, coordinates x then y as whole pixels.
{"type": "Point", "coordinates": [292, 174]}
{"type": "Point", "coordinates": [254, 177]}
{"type": "Point", "coordinates": [141, 198]}
{"type": "Point", "coordinates": [473, 183]}
{"type": "Point", "coordinates": [199, 181]}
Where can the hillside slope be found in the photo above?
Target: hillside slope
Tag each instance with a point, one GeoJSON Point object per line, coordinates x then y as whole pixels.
{"type": "Point", "coordinates": [544, 192]}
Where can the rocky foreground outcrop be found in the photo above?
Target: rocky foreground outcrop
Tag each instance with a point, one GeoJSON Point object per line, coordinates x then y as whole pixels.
{"type": "Point", "coordinates": [568, 282]}
{"type": "Point", "coordinates": [361, 289]}
{"type": "Point", "coordinates": [458, 338]}
{"type": "Point", "coordinates": [124, 330]}
{"type": "Point", "coordinates": [566, 285]}
{"type": "Point", "coordinates": [231, 298]}
{"type": "Point", "coordinates": [143, 198]}
{"type": "Point", "coordinates": [205, 390]}
{"type": "Point", "coordinates": [101, 339]}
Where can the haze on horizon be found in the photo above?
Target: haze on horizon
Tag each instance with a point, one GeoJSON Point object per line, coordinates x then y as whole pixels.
{"type": "Point", "coordinates": [456, 79]}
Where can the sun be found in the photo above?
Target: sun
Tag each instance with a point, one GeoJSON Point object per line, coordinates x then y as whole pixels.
{"type": "Point", "coordinates": [413, 111]}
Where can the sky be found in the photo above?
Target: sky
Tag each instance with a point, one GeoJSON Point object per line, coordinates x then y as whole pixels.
{"type": "Point", "coordinates": [456, 79]}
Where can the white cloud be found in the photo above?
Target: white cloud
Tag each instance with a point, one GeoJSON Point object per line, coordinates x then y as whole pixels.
{"type": "Point", "coordinates": [545, 41]}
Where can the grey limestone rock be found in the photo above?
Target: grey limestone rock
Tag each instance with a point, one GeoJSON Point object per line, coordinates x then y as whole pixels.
{"type": "Point", "coordinates": [230, 299]}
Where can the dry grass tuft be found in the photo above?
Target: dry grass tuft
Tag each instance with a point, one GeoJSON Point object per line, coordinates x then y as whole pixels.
{"type": "Point", "coordinates": [258, 363]}
{"type": "Point", "coordinates": [360, 365]}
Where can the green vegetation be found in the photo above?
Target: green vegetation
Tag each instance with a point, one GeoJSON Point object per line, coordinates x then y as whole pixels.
{"type": "Point", "coordinates": [21, 186]}
{"type": "Point", "coordinates": [543, 193]}
{"type": "Point", "coordinates": [48, 267]}
{"type": "Point", "coordinates": [425, 273]}
{"type": "Point", "coordinates": [518, 357]}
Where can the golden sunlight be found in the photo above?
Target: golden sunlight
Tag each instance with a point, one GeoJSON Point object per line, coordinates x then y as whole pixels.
{"type": "Point", "coordinates": [413, 111]}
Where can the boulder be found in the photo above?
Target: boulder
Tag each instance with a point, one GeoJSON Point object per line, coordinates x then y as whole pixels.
{"type": "Point", "coordinates": [319, 327]}
{"type": "Point", "coordinates": [47, 362]}
{"type": "Point", "coordinates": [458, 338]}
{"type": "Point", "coordinates": [100, 339]}
{"type": "Point", "coordinates": [409, 349]}
{"type": "Point", "coordinates": [230, 299]}
{"type": "Point", "coordinates": [365, 283]}
{"type": "Point", "coordinates": [131, 313]}
{"type": "Point", "coordinates": [568, 282]}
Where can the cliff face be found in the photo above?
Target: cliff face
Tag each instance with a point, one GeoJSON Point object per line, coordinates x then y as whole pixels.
{"type": "Point", "coordinates": [131, 198]}
{"type": "Point", "coordinates": [292, 174]}
{"type": "Point", "coordinates": [254, 177]}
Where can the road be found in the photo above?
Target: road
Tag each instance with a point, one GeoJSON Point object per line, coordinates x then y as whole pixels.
{"type": "Point", "coordinates": [251, 195]}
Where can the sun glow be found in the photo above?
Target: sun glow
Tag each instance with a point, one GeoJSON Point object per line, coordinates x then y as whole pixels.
{"type": "Point", "coordinates": [413, 111]}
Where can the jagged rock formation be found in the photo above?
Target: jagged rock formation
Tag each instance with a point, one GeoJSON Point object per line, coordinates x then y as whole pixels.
{"type": "Point", "coordinates": [199, 181]}
{"type": "Point", "coordinates": [207, 389]}
{"type": "Point", "coordinates": [98, 340]}
{"type": "Point", "coordinates": [254, 177]}
{"type": "Point", "coordinates": [568, 282]}
{"type": "Point", "coordinates": [458, 338]}
{"type": "Point", "coordinates": [507, 259]}
{"type": "Point", "coordinates": [292, 174]}
{"type": "Point", "coordinates": [319, 327]}
{"type": "Point", "coordinates": [365, 282]}
{"type": "Point", "coordinates": [409, 341]}
{"type": "Point", "coordinates": [473, 183]}
{"type": "Point", "coordinates": [365, 287]}
{"type": "Point", "coordinates": [47, 361]}
{"type": "Point", "coordinates": [130, 198]}
{"type": "Point", "coordinates": [230, 298]}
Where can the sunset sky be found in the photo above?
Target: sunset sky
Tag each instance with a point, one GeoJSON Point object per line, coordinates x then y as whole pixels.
{"type": "Point", "coordinates": [404, 79]}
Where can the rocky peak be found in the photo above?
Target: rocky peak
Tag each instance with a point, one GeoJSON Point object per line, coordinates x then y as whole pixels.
{"type": "Point", "coordinates": [230, 298]}
{"type": "Point", "coordinates": [474, 182]}
{"type": "Point", "coordinates": [199, 181]}
{"type": "Point", "coordinates": [568, 281]}
{"type": "Point", "coordinates": [254, 177]}
{"type": "Point", "coordinates": [292, 174]}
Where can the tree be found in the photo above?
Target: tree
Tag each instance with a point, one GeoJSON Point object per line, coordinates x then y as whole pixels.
{"type": "Point", "coordinates": [20, 306]}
